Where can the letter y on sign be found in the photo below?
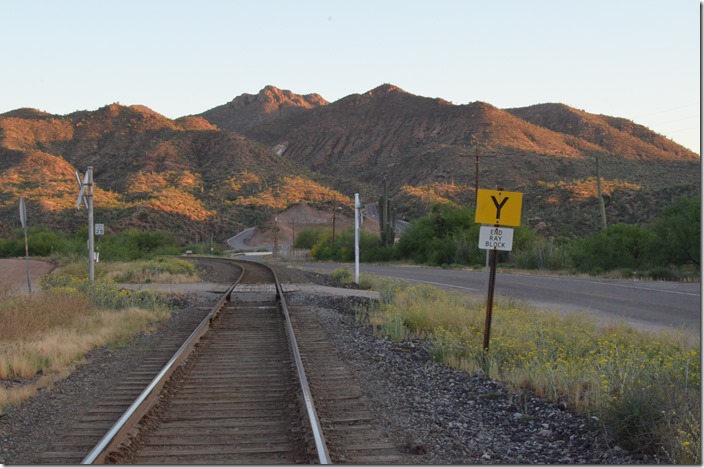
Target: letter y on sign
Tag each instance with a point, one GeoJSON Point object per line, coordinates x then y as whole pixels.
{"type": "Point", "coordinates": [498, 207]}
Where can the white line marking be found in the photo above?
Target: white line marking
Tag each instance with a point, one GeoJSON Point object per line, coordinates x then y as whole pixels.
{"type": "Point", "coordinates": [432, 282]}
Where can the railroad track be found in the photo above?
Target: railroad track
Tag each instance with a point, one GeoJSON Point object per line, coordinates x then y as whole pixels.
{"type": "Point", "coordinates": [236, 392]}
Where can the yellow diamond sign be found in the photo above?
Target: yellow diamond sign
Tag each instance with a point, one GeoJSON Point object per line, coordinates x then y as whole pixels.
{"type": "Point", "coordinates": [499, 207]}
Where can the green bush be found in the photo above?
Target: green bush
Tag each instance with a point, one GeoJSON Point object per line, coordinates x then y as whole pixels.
{"type": "Point", "coordinates": [11, 248]}
{"type": "Point", "coordinates": [41, 242]}
{"type": "Point", "coordinates": [619, 246]}
{"type": "Point", "coordinates": [132, 244]}
{"type": "Point", "coordinates": [542, 254]}
{"type": "Point", "coordinates": [306, 238]}
{"type": "Point", "coordinates": [448, 235]}
{"type": "Point", "coordinates": [343, 248]}
{"type": "Point", "coordinates": [342, 275]}
{"type": "Point", "coordinates": [663, 274]}
{"type": "Point", "coordinates": [677, 233]}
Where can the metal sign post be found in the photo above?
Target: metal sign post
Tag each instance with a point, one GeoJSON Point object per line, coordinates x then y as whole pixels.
{"type": "Point", "coordinates": [490, 298]}
{"type": "Point", "coordinates": [357, 216]}
{"type": "Point", "coordinates": [496, 207]}
{"type": "Point", "coordinates": [85, 195]}
{"type": "Point", "coordinates": [23, 220]}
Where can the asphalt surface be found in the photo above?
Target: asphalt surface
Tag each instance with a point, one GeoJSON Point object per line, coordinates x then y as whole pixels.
{"type": "Point", "coordinates": [642, 304]}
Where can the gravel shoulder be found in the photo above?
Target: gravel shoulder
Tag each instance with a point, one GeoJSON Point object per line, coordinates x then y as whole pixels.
{"type": "Point", "coordinates": [437, 415]}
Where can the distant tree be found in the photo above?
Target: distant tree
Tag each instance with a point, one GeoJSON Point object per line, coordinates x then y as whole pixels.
{"type": "Point", "coordinates": [448, 234]}
{"type": "Point", "coordinates": [618, 246]}
{"type": "Point", "coordinates": [678, 233]}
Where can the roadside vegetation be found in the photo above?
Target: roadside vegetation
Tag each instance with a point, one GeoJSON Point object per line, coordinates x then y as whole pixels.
{"type": "Point", "coordinates": [644, 388]}
{"type": "Point", "coordinates": [666, 249]}
{"type": "Point", "coordinates": [128, 245]}
{"type": "Point", "coordinates": [45, 335]}
{"type": "Point", "coordinates": [156, 270]}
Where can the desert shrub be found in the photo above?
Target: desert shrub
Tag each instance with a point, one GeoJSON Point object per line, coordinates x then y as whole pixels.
{"type": "Point", "coordinates": [542, 254]}
{"type": "Point", "coordinates": [677, 233]}
{"type": "Point", "coordinates": [619, 246]}
{"type": "Point", "coordinates": [447, 235]}
{"type": "Point", "coordinates": [103, 293]}
{"type": "Point", "coordinates": [342, 275]}
{"type": "Point", "coordinates": [343, 247]}
{"type": "Point", "coordinates": [159, 270]}
{"type": "Point", "coordinates": [132, 244]}
{"type": "Point", "coordinates": [306, 238]}
{"type": "Point", "coordinates": [663, 274]}
{"type": "Point", "coordinates": [41, 242]}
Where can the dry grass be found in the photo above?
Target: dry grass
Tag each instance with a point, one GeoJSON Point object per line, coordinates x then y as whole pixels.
{"type": "Point", "coordinates": [44, 336]}
{"type": "Point", "coordinates": [161, 270]}
{"type": "Point", "coordinates": [167, 270]}
{"type": "Point", "coordinates": [645, 386]}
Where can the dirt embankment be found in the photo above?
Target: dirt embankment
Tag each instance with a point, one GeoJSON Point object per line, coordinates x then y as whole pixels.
{"type": "Point", "coordinates": [292, 221]}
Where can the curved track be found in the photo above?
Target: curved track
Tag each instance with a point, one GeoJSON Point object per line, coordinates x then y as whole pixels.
{"type": "Point", "coordinates": [236, 392]}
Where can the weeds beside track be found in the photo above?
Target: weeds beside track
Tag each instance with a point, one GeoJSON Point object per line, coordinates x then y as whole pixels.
{"type": "Point", "coordinates": [645, 387]}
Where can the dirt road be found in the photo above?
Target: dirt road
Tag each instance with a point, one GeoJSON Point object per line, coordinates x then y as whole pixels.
{"type": "Point", "coordinates": [13, 273]}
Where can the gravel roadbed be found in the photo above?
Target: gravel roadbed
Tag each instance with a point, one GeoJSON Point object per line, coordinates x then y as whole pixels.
{"type": "Point", "coordinates": [445, 416]}
{"type": "Point", "coordinates": [437, 415]}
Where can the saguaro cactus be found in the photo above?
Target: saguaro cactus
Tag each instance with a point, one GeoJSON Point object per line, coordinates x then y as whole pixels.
{"type": "Point", "coordinates": [387, 219]}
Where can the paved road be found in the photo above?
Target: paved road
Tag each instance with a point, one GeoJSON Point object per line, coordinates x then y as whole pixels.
{"type": "Point", "coordinates": [643, 304]}
{"type": "Point", "coordinates": [241, 241]}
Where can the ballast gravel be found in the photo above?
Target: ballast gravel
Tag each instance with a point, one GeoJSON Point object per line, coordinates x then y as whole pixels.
{"type": "Point", "coordinates": [445, 416]}
{"type": "Point", "coordinates": [436, 415]}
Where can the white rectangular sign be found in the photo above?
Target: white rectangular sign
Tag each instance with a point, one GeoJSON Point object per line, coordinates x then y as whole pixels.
{"type": "Point", "coordinates": [99, 229]}
{"type": "Point", "coordinates": [495, 238]}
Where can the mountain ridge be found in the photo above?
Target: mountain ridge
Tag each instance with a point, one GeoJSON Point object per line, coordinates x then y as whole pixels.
{"type": "Point", "coordinates": [262, 152]}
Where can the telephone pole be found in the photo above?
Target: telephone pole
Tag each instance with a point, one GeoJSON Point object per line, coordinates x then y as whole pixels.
{"type": "Point", "coordinates": [475, 142]}
{"type": "Point", "coordinates": [602, 208]}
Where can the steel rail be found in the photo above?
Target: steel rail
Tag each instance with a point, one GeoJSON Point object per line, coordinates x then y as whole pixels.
{"type": "Point", "coordinates": [139, 407]}
{"type": "Point", "coordinates": [316, 428]}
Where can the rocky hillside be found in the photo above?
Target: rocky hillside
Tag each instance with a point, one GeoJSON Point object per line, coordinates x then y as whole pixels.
{"type": "Point", "coordinates": [235, 165]}
{"type": "Point", "coordinates": [268, 114]}
{"type": "Point", "coordinates": [150, 172]}
{"type": "Point", "coordinates": [426, 149]}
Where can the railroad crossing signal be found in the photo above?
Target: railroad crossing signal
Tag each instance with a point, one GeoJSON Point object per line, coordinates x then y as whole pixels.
{"type": "Point", "coordinates": [85, 196]}
{"type": "Point", "coordinates": [498, 207]}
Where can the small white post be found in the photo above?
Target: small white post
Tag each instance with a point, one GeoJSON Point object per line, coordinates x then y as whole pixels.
{"type": "Point", "coordinates": [357, 208]}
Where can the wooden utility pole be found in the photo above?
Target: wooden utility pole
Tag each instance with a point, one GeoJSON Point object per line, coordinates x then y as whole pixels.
{"type": "Point", "coordinates": [334, 209]}
{"type": "Point", "coordinates": [475, 141]}
{"type": "Point", "coordinates": [293, 232]}
{"type": "Point", "coordinates": [602, 208]}
{"type": "Point", "coordinates": [276, 228]}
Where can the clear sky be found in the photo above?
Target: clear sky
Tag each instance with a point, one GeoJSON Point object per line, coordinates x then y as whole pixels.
{"type": "Point", "coordinates": [637, 59]}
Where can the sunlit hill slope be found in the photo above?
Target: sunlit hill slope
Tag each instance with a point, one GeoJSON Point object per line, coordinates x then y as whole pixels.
{"type": "Point", "coordinates": [232, 166]}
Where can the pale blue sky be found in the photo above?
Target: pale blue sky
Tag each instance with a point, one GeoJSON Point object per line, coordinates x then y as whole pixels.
{"type": "Point", "coordinates": [637, 59]}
